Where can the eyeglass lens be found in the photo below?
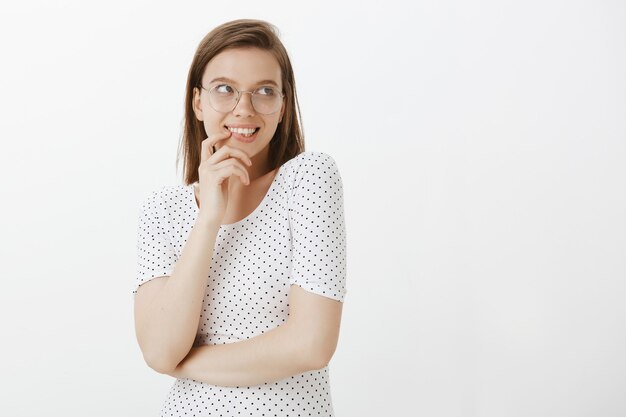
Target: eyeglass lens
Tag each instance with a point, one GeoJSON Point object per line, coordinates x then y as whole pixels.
{"type": "Point", "coordinates": [265, 100]}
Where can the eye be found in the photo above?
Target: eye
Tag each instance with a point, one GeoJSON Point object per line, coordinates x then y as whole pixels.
{"type": "Point", "coordinates": [266, 91]}
{"type": "Point", "coordinates": [224, 89]}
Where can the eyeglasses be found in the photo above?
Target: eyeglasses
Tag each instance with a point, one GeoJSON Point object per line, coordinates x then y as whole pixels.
{"type": "Point", "coordinates": [224, 98]}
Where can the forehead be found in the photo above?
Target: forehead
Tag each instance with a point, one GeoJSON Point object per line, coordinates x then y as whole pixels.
{"type": "Point", "coordinates": [246, 66]}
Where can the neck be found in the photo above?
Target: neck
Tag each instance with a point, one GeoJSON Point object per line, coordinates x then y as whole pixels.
{"type": "Point", "coordinates": [260, 164]}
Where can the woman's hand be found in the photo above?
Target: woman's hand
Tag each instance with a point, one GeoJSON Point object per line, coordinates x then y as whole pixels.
{"type": "Point", "coordinates": [214, 172]}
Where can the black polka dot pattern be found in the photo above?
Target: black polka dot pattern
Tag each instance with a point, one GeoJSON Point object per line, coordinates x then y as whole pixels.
{"type": "Point", "coordinates": [295, 236]}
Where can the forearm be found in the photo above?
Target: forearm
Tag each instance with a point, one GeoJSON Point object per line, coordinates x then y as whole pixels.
{"type": "Point", "coordinates": [168, 328]}
{"type": "Point", "coordinates": [271, 356]}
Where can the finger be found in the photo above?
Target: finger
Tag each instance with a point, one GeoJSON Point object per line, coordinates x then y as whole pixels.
{"type": "Point", "coordinates": [203, 151]}
{"type": "Point", "coordinates": [219, 136]}
{"type": "Point", "coordinates": [226, 152]}
{"type": "Point", "coordinates": [207, 147]}
{"type": "Point", "coordinates": [233, 167]}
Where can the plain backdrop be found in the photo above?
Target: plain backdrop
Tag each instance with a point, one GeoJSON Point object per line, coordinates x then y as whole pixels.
{"type": "Point", "coordinates": [482, 147]}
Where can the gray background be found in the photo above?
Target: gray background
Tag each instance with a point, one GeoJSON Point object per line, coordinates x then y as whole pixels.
{"type": "Point", "coordinates": [482, 148]}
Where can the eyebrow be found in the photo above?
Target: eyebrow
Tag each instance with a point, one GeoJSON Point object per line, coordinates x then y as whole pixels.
{"type": "Point", "coordinates": [228, 80]}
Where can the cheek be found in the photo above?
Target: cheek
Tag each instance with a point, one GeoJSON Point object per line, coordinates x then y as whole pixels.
{"type": "Point", "coordinates": [271, 128]}
{"type": "Point", "coordinates": [213, 121]}
{"type": "Point", "coordinates": [274, 122]}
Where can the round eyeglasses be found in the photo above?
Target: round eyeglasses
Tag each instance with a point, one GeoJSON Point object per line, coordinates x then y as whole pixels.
{"type": "Point", "coordinates": [224, 98]}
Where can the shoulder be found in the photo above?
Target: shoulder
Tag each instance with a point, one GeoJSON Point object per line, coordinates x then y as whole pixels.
{"type": "Point", "coordinates": [162, 199]}
{"type": "Point", "coordinates": [312, 158]}
{"type": "Point", "coordinates": [311, 175]}
{"type": "Point", "coordinates": [311, 164]}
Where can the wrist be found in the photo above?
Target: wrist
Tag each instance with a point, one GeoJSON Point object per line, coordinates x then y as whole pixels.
{"type": "Point", "coordinates": [206, 221]}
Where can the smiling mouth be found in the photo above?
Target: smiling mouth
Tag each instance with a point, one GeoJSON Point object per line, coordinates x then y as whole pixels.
{"type": "Point", "coordinates": [246, 132]}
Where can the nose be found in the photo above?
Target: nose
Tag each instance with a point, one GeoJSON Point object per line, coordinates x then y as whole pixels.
{"type": "Point", "coordinates": [244, 106]}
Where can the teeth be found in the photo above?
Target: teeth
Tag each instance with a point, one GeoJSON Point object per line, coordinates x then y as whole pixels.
{"type": "Point", "coordinates": [242, 131]}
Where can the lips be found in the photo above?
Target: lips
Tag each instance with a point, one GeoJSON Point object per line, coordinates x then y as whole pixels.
{"type": "Point", "coordinates": [244, 134]}
{"type": "Point", "coordinates": [243, 130]}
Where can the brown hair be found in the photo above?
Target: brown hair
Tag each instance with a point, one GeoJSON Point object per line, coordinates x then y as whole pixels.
{"type": "Point", "coordinates": [288, 140]}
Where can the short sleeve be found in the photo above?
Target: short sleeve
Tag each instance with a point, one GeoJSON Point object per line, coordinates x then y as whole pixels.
{"type": "Point", "coordinates": [318, 232]}
{"type": "Point", "coordinates": [156, 256]}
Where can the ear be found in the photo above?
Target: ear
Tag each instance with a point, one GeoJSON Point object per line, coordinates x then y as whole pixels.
{"type": "Point", "coordinates": [197, 104]}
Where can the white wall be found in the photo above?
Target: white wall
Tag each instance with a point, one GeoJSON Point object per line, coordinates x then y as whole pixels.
{"type": "Point", "coordinates": [482, 148]}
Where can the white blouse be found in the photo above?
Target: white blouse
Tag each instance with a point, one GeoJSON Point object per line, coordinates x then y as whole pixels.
{"type": "Point", "coordinates": [296, 235]}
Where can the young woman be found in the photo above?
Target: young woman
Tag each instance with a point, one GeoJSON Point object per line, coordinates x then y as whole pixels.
{"type": "Point", "coordinates": [241, 271]}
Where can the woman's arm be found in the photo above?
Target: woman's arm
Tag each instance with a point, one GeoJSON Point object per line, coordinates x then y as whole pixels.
{"type": "Point", "coordinates": [167, 311]}
{"type": "Point", "coordinates": [306, 341]}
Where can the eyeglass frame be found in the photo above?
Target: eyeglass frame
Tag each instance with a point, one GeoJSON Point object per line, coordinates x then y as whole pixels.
{"type": "Point", "coordinates": [239, 94]}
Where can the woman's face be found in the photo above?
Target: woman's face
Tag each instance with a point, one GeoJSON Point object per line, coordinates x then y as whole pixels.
{"type": "Point", "coordinates": [244, 69]}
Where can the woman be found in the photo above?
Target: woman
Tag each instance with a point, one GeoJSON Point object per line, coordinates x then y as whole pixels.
{"type": "Point", "coordinates": [241, 271]}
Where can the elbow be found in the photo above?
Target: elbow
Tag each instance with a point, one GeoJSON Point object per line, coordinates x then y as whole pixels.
{"type": "Point", "coordinates": [319, 361]}
{"type": "Point", "coordinates": [161, 367]}
{"type": "Point", "coordinates": [320, 355]}
{"type": "Point", "coordinates": [159, 357]}
{"type": "Point", "coordinates": [160, 364]}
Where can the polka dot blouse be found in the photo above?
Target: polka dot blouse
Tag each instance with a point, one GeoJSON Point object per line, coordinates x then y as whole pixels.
{"type": "Point", "coordinates": [295, 236]}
